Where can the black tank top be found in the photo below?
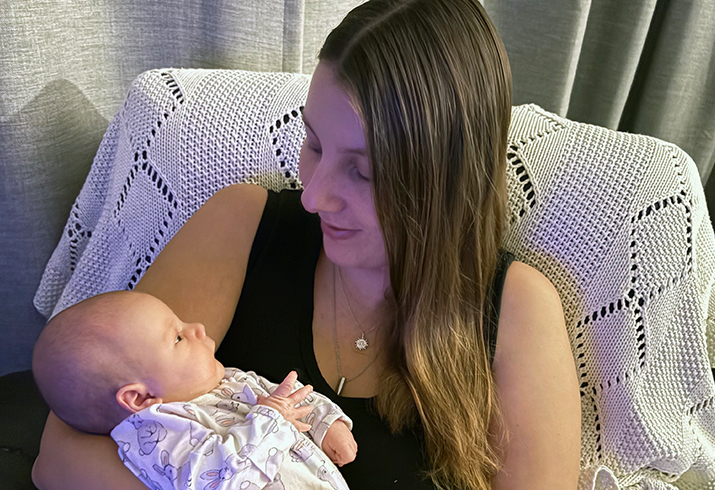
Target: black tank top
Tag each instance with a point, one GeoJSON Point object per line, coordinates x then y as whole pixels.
{"type": "Point", "coordinates": [271, 334]}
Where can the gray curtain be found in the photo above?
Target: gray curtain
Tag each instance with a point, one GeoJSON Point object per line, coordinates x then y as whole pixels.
{"type": "Point", "coordinates": [643, 66]}
{"type": "Point", "coordinates": [65, 67]}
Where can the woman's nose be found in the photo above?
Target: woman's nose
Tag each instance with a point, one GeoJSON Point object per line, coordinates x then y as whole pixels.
{"type": "Point", "coordinates": [320, 189]}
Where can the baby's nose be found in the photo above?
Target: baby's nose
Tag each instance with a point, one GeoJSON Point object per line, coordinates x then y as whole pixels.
{"type": "Point", "coordinates": [200, 331]}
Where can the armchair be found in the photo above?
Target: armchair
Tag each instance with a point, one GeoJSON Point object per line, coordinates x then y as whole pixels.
{"type": "Point", "coordinates": [618, 223]}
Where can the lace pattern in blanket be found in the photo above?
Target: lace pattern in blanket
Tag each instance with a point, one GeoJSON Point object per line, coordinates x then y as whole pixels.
{"type": "Point", "coordinates": [617, 222]}
{"type": "Point", "coordinates": [180, 136]}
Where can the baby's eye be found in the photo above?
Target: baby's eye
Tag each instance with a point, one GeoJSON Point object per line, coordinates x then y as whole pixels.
{"type": "Point", "coordinates": [179, 338]}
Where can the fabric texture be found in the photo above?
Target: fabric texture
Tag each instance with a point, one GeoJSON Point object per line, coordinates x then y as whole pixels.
{"type": "Point", "coordinates": [225, 436]}
{"type": "Point", "coordinates": [641, 66]}
{"type": "Point", "coordinates": [616, 221]}
{"type": "Point", "coordinates": [228, 126]}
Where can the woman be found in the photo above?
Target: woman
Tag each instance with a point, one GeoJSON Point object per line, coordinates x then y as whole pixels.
{"type": "Point", "coordinates": [383, 283]}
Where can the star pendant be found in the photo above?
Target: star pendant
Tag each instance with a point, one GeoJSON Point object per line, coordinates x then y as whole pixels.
{"type": "Point", "coordinates": [361, 343]}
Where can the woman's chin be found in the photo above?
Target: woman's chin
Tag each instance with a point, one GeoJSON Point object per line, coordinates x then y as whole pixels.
{"type": "Point", "coordinates": [338, 254]}
{"type": "Point", "coordinates": [352, 255]}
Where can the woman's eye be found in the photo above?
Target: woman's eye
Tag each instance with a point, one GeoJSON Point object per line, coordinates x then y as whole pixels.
{"type": "Point", "coordinates": [179, 338]}
{"type": "Point", "coordinates": [356, 171]}
{"type": "Point", "coordinates": [307, 143]}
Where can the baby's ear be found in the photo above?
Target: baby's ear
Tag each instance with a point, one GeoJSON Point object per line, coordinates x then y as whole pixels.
{"type": "Point", "coordinates": [135, 397]}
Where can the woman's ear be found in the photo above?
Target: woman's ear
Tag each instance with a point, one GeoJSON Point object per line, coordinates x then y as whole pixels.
{"type": "Point", "coordinates": [135, 397]}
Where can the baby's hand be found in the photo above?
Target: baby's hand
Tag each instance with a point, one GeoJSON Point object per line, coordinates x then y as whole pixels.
{"type": "Point", "coordinates": [339, 443]}
{"type": "Point", "coordinates": [285, 402]}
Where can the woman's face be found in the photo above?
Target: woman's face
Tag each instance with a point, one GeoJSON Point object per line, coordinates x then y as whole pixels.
{"type": "Point", "coordinates": [335, 171]}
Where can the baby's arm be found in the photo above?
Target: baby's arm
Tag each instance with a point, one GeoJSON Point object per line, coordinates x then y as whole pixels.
{"type": "Point", "coordinates": [167, 447]}
{"type": "Point", "coordinates": [329, 426]}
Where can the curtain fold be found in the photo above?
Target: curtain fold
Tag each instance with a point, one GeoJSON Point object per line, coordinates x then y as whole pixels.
{"type": "Point", "coordinates": [65, 67]}
{"type": "Point", "coordinates": [544, 40]}
{"type": "Point", "coordinates": [612, 47]}
{"type": "Point", "coordinates": [641, 66]}
{"type": "Point", "coordinates": [293, 22]}
{"type": "Point", "coordinates": [677, 85]}
{"type": "Point", "coordinates": [644, 66]}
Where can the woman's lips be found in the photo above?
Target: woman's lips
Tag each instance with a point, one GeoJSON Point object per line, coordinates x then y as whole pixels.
{"type": "Point", "coordinates": [336, 233]}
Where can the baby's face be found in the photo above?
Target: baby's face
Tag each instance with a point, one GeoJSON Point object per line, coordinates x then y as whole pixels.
{"type": "Point", "coordinates": [176, 358]}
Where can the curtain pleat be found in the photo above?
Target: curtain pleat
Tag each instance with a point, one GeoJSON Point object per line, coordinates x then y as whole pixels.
{"type": "Point", "coordinates": [615, 37]}
{"type": "Point", "coordinates": [293, 22]}
{"type": "Point", "coordinates": [65, 67]}
{"type": "Point", "coordinates": [676, 99]}
{"type": "Point", "coordinates": [544, 42]}
{"type": "Point", "coordinates": [642, 66]}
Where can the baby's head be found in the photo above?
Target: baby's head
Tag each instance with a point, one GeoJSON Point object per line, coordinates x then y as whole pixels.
{"type": "Point", "coordinates": [114, 354]}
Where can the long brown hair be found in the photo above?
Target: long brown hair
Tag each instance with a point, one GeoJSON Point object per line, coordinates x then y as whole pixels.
{"type": "Point", "coordinates": [431, 82]}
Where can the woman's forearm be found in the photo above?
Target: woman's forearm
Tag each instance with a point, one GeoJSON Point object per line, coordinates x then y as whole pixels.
{"type": "Point", "coordinates": [73, 460]}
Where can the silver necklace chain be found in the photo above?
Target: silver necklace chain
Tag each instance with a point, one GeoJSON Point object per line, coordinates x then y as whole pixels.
{"type": "Point", "coordinates": [342, 379]}
{"type": "Point", "coordinates": [361, 343]}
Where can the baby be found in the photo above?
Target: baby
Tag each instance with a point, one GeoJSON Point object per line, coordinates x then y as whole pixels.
{"type": "Point", "coordinates": [123, 362]}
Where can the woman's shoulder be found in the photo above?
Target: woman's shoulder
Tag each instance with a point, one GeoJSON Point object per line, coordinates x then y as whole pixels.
{"type": "Point", "coordinates": [223, 228]}
{"type": "Point", "coordinates": [245, 194]}
{"type": "Point", "coordinates": [530, 309]}
{"type": "Point", "coordinates": [241, 205]}
{"type": "Point", "coordinates": [227, 221]}
{"type": "Point", "coordinates": [251, 201]}
{"type": "Point", "coordinates": [525, 285]}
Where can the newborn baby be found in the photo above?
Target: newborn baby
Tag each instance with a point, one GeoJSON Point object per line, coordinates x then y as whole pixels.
{"type": "Point", "coordinates": [123, 362]}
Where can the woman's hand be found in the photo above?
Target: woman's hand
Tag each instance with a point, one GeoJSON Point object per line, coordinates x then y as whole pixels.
{"type": "Point", "coordinates": [286, 402]}
{"type": "Point", "coordinates": [339, 444]}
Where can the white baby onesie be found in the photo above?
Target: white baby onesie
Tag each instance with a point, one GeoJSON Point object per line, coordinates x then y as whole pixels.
{"type": "Point", "coordinates": [223, 440]}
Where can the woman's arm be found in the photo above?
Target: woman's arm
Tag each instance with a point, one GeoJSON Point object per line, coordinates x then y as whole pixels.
{"type": "Point", "coordinates": [536, 380]}
{"type": "Point", "coordinates": [199, 274]}
{"type": "Point", "coordinates": [72, 460]}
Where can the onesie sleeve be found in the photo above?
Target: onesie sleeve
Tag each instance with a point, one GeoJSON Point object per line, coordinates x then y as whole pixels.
{"type": "Point", "coordinates": [324, 412]}
{"type": "Point", "coordinates": [168, 450]}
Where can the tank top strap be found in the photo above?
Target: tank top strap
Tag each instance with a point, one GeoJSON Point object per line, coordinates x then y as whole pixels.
{"type": "Point", "coordinates": [491, 317]}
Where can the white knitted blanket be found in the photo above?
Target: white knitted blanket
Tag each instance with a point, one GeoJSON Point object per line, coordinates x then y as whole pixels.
{"type": "Point", "coordinates": [617, 222]}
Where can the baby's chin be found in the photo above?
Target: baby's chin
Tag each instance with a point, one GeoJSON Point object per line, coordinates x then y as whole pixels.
{"type": "Point", "coordinates": [220, 372]}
